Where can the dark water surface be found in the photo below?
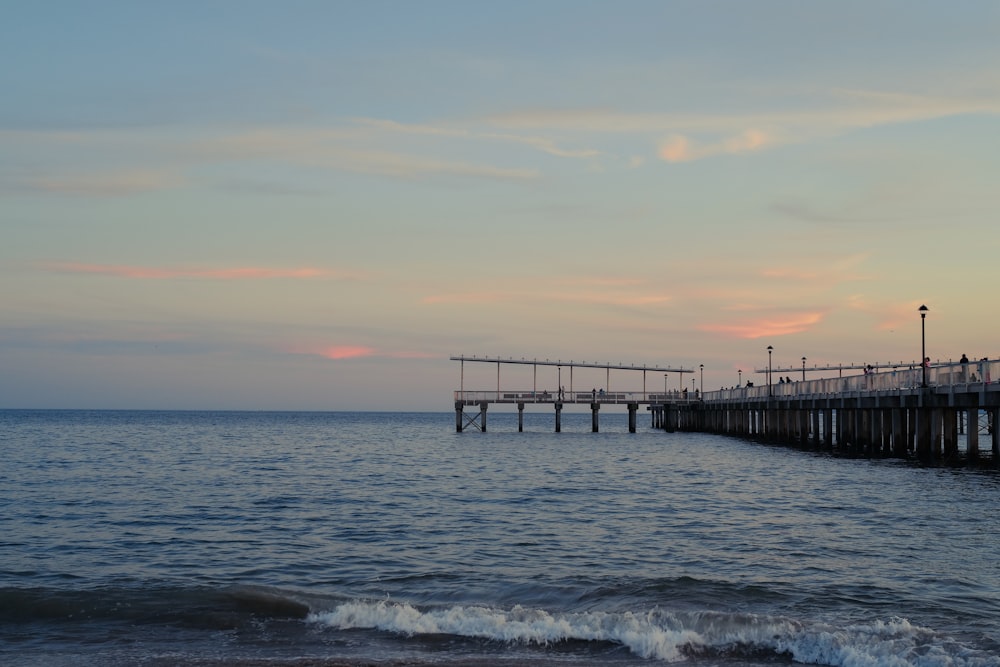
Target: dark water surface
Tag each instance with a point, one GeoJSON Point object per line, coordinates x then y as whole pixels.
{"type": "Point", "coordinates": [164, 538]}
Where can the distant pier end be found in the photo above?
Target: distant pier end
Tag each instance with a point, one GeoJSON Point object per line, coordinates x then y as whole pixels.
{"type": "Point", "coordinates": [561, 395]}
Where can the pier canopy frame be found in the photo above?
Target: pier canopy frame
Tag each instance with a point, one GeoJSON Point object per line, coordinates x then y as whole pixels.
{"type": "Point", "coordinates": [571, 364]}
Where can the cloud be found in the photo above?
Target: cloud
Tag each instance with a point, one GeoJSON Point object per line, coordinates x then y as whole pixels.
{"type": "Point", "coordinates": [676, 149]}
{"type": "Point", "coordinates": [356, 151]}
{"type": "Point", "coordinates": [888, 316]}
{"type": "Point", "coordinates": [774, 325]}
{"type": "Point", "coordinates": [543, 144]}
{"type": "Point", "coordinates": [351, 351]}
{"type": "Point", "coordinates": [346, 352]}
{"type": "Point", "coordinates": [819, 113]}
{"type": "Point", "coordinates": [387, 163]}
{"type": "Point", "coordinates": [596, 290]}
{"type": "Point", "coordinates": [233, 273]}
{"type": "Point", "coordinates": [107, 184]}
{"type": "Point", "coordinates": [679, 148]}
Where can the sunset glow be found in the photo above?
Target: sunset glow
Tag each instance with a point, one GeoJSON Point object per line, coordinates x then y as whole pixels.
{"type": "Point", "coordinates": [317, 208]}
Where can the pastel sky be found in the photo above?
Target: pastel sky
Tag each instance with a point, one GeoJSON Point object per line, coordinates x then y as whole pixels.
{"type": "Point", "coordinates": [313, 205]}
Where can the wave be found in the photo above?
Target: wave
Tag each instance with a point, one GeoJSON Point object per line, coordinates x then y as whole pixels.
{"type": "Point", "coordinates": [672, 636]}
{"type": "Point", "coordinates": [211, 608]}
{"type": "Point", "coordinates": [659, 633]}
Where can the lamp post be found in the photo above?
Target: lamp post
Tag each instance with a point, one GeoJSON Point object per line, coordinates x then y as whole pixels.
{"type": "Point", "coordinates": [769, 350]}
{"type": "Point", "coordinates": [665, 385]}
{"type": "Point", "coordinates": [701, 368]}
{"type": "Point", "coordinates": [803, 369]}
{"type": "Point", "coordinates": [923, 345]}
{"type": "Point", "coordinates": [740, 376]}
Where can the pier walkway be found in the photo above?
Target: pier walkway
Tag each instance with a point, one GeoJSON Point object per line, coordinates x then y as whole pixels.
{"type": "Point", "coordinates": [893, 410]}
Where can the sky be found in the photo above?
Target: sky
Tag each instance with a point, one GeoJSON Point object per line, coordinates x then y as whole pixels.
{"type": "Point", "coordinates": [314, 205]}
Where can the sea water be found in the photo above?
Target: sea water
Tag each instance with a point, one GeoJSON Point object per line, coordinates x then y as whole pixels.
{"type": "Point", "coordinates": [213, 538]}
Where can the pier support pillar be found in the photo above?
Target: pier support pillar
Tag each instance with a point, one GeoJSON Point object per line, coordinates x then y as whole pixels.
{"type": "Point", "coordinates": [949, 427]}
{"type": "Point", "coordinates": [669, 418]}
{"type": "Point", "coordinates": [594, 409]}
{"type": "Point", "coordinates": [972, 434]}
{"type": "Point", "coordinates": [937, 429]}
{"type": "Point", "coordinates": [458, 416]}
{"type": "Point", "coordinates": [482, 416]}
{"type": "Point", "coordinates": [520, 416]}
{"type": "Point", "coordinates": [992, 416]}
{"type": "Point", "coordinates": [559, 407]}
{"type": "Point", "coordinates": [633, 408]}
{"type": "Point", "coordinates": [898, 433]}
{"type": "Point", "coordinates": [923, 433]}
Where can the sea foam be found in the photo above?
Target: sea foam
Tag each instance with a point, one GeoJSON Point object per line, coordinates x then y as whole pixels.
{"type": "Point", "coordinates": [670, 636]}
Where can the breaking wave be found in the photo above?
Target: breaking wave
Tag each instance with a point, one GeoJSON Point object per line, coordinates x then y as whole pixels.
{"type": "Point", "coordinates": [671, 636]}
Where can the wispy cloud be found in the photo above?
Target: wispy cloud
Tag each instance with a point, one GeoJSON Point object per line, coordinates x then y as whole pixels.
{"type": "Point", "coordinates": [168, 273]}
{"type": "Point", "coordinates": [346, 352]}
{"type": "Point", "coordinates": [888, 316]}
{"type": "Point", "coordinates": [345, 149]}
{"type": "Point", "coordinates": [541, 143]}
{"type": "Point", "coordinates": [680, 148]}
{"type": "Point", "coordinates": [105, 184]}
{"type": "Point", "coordinates": [778, 324]}
{"type": "Point", "coordinates": [616, 291]}
{"type": "Point", "coordinates": [819, 113]}
{"type": "Point", "coordinates": [343, 352]}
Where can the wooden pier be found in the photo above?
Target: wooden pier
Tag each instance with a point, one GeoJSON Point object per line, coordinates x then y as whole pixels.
{"type": "Point", "coordinates": [890, 413]}
{"type": "Point", "coordinates": [885, 412]}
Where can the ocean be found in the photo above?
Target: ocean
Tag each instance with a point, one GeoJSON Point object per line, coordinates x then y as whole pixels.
{"type": "Point", "coordinates": [279, 538]}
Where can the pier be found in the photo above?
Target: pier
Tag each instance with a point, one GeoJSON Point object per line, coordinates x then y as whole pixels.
{"type": "Point", "coordinates": [559, 396]}
{"type": "Point", "coordinates": [898, 410]}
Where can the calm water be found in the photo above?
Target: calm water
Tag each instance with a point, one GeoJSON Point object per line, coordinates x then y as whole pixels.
{"type": "Point", "coordinates": [162, 538]}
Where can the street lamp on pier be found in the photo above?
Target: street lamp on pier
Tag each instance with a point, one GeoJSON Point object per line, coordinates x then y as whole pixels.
{"type": "Point", "coordinates": [770, 349]}
{"type": "Point", "coordinates": [665, 385]}
{"type": "Point", "coordinates": [803, 369]}
{"type": "Point", "coordinates": [740, 376]}
{"type": "Point", "coordinates": [701, 367]}
{"type": "Point", "coordinates": [923, 345]}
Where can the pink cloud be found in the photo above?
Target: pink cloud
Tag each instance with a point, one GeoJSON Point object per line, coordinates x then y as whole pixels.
{"type": "Point", "coordinates": [767, 326]}
{"type": "Point", "coordinates": [347, 352]}
{"type": "Point", "coordinates": [153, 273]}
{"type": "Point", "coordinates": [676, 149]}
{"type": "Point", "coordinates": [679, 148]}
{"type": "Point", "coordinates": [341, 352]}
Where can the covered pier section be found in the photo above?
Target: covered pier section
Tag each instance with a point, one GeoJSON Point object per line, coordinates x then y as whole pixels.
{"type": "Point", "coordinates": [565, 392]}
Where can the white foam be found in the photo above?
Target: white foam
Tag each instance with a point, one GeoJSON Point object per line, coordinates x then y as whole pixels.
{"type": "Point", "coordinates": [530, 626]}
{"type": "Point", "coordinates": [670, 636]}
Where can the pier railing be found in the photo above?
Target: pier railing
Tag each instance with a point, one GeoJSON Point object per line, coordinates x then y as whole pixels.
{"type": "Point", "coordinates": [957, 375]}
{"type": "Point", "coordinates": [574, 397]}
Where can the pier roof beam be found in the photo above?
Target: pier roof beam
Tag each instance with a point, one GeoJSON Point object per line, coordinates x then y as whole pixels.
{"type": "Point", "coordinates": [574, 364]}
